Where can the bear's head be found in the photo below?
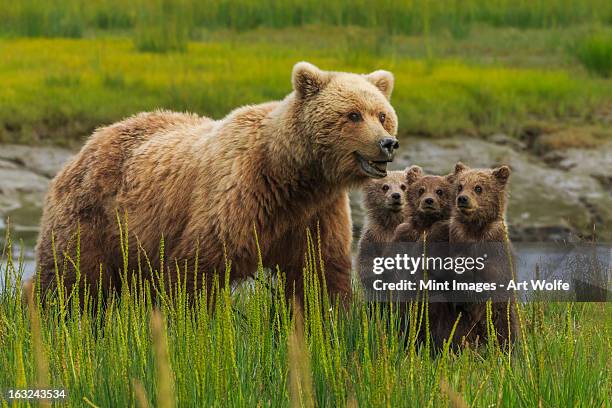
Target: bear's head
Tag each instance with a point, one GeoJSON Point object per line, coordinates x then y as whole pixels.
{"type": "Point", "coordinates": [348, 119]}
{"type": "Point", "coordinates": [481, 193]}
{"type": "Point", "coordinates": [429, 198]}
{"type": "Point", "coordinates": [384, 198]}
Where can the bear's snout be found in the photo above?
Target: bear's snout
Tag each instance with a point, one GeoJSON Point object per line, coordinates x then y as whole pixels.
{"type": "Point", "coordinates": [388, 145]}
{"type": "Point", "coordinates": [463, 201]}
{"type": "Point", "coordinates": [396, 196]}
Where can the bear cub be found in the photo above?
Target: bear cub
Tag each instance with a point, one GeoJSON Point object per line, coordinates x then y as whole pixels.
{"type": "Point", "coordinates": [429, 200]}
{"type": "Point", "coordinates": [384, 201]}
{"type": "Point", "coordinates": [478, 219]}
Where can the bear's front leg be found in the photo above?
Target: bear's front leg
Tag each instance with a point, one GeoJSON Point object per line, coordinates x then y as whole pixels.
{"type": "Point", "coordinates": [333, 223]}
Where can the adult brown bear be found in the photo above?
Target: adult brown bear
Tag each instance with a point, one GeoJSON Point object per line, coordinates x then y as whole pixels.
{"type": "Point", "coordinates": [206, 186]}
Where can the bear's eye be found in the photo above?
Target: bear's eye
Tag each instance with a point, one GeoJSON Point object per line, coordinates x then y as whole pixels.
{"type": "Point", "coordinates": [385, 187]}
{"type": "Point", "coordinates": [382, 117]}
{"type": "Point", "coordinates": [478, 189]}
{"type": "Point", "coordinates": [460, 188]}
{"type": "Point", "coordinates": [403, 187]}
{"type": "Point", "coordinates": [439, 192]}
{"type": "Point", "coordinates": [354, 117]}
{"type": "Point", "coordinates": [421, 191]}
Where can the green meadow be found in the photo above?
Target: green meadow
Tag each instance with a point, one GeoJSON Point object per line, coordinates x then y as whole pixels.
{"type": "Point", "coordinates": [152, 345]}
{"type": "Point", "coordinates": [472, 67]}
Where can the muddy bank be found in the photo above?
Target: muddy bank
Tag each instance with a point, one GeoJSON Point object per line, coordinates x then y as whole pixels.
{"type": "Point", "coordinates": [557, 195]}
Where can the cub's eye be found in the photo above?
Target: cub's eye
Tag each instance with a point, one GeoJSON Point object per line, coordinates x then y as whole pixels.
{"type": "Point", "coordinates": [382, 117]}
{"type": "Point", "coordinates": [460, 188]}
{"type": "Point", "coordinates": [354, 117]}
{"type": "Point", "coordinates": [403, 187]}
{"type": "Point", "coordinates": [478, 189]}
{"type": "Point", "coordinates": [421, 191]}
{"type": "Point", "coordinates": [385, 187]}
{"type": "Point", "coordinates": [439, 192]}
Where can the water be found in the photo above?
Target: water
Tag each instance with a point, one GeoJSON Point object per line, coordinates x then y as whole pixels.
{"type": "Point", "coordinates": [533, 260]}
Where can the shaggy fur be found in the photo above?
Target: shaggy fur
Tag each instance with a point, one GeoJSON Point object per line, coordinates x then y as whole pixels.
{"type": "Point", "coordinates": [207, 186]}
{"type": "Point", "coordinates": [384, 202]}
{"type": "Point", "coordinates": [429, 201]}
{"type": "Point", "coordinates": [479, 217]}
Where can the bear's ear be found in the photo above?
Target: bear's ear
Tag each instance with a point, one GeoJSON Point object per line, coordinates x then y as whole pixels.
{"type": "Point", "coordinates": [383, 80]}
{"type": "Point", "coordinates": [502, 174]}
{"type": "Point", "coordinates": [450, 178]}
{"type": "Point", "coordinates": [413, 173]}
{"type": "Point", "coordinates": [307, 79]}
{"type": "Point", "coordinates": [459, 167]}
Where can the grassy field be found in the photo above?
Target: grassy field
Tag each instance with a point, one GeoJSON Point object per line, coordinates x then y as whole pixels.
{"type": "Point", "coordinates": [252, 350]}
{"type": "Point", "coordinates": [59, 90]}
{"type": "Point", "coordinates": [73, 18]}
{"type": "Point", "coordinates": [472, 67]}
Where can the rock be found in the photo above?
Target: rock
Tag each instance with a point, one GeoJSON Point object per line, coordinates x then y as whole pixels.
{"type": "Point", "coordinates": [596, 163]}
{"type": "Point", "coordinates": [46, 161]}
{"type": "Point", "coordinates": [505, 140]}
{"type": "Point", "coordinates": [19, 180]}
{"type": "Point", "coordinates": [24, 179]}
{"type": "Point", "coordinates": [21, 195]}
{"type": "Point", "coordinates": [4, 164]}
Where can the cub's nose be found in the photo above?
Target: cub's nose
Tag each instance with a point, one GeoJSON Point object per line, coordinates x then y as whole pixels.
{"type": "Point", "coordinates": [388, 144]}
{"type": "Point", "coordinates": [429, 201]}
{"type": "Point", "coordinates": [462, 200]}
{"type": "Point", "coordinates": [396, 196]}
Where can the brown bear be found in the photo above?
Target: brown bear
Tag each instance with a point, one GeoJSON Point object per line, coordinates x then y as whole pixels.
{"type": "Point", "coordinates": [383, 200]}
{"type": "Point", "coordinates": [429, 201]}
{"type": "Point", "coordinates": [209, 188]}
{"type": "Point", "coordinates": [477, 228]}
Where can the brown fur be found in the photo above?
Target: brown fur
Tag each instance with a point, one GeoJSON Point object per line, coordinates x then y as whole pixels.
{"type": "Point", "coordinates": [483, 218]}
{"type": "Point", "coordinates": [206, 186]}
{"type": "Point", "coordinates": [429, 201]}
{"type": "Point", "coordinates": [480, 219]}
{"type": "Point", "coordinates": [384, 201]}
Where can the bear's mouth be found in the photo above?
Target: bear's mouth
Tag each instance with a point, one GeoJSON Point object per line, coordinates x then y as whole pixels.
{"type": "Point", "coordinates": [373, 168]}
{"type": "Point", "coordinates": [395, 206]}
{"type": "Point", "coordinates": [428, 209]}
{"type": "Point", "coordinates": [466, 209]}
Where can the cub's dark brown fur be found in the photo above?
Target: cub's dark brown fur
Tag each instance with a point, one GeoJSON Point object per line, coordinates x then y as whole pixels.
{"type": "Point", "coordinates": [384, 201]}
{"type": "Point", "coordinates": [478, 218]}
{"type": "Point", "coordinates": [429, 200]}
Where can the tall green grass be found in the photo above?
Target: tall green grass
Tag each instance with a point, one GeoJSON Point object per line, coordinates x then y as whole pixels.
{"type": "Point", "coordinates": [595, 53]}
{"type": "Point", "coordinates": [163, 25]}
{"type": "Point", "coordinates": [59, 17]}
{"type": "Point", "coordinates": [252, 348]}
{"type": "Point", "coordinates": [35, 18]}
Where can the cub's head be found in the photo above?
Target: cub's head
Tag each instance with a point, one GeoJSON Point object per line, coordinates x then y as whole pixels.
{"type": "Point", "coordinates": [385, 198]}
{"type": "Point", "coordinates": [481, 193]}
{"type": "Point", "coordinates": [348, 119]}
{"type": "Point", "coordinates": [430, 198]}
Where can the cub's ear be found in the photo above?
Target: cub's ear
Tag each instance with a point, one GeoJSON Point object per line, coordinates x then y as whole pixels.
{"type": "Point", "coordinates": [307, 79]}
{"type": "Point", "coordinates": [451, 178]}
{"type": "Point", "coordinates": [459, 167]}
{"type": "Point", "coordinates": [413, 173]}
{"type": "Point", "coordinates": [502, 174]}
{"type": "Point", "coordinates": [383, 80]}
